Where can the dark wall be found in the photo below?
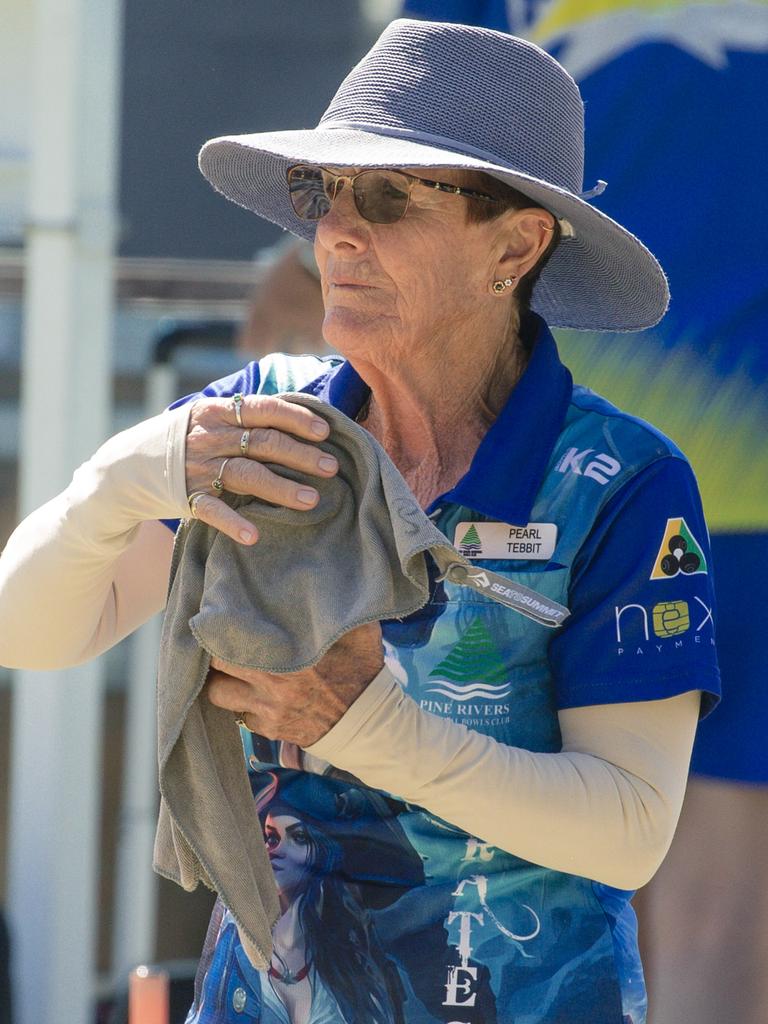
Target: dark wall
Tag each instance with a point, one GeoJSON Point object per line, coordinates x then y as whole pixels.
{"type": "Point", "coordinates": [195, 69]}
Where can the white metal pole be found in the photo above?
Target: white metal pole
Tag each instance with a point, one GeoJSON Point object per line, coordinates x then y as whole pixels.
{"type": "Point", "coordinates": [65, 414]}
{"type": "Point", "coordinates": [134, 936]}
{"type": "Point", "coordinates": [135, 929]}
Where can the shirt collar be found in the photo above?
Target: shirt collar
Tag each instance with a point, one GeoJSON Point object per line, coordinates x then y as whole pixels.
{"type": "Point", "coordinates": [508, 468]}
{"type": "Point", "coordinates": [343, 388]}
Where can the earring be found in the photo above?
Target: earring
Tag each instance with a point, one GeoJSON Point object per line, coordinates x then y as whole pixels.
{"type": "Point", "coordinates": [501, 286]}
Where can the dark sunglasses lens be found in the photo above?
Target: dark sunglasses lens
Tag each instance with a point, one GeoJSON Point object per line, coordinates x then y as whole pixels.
{"type": "Point", "coordinates": [381, 196]}
{"type": "Point", "coordinates": [306, 188]}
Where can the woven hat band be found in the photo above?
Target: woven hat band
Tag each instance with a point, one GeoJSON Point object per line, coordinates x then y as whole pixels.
{"type": "Point", "coordinates": [442, 84]}
{"type": "Point", "coordinates": [417, 136]}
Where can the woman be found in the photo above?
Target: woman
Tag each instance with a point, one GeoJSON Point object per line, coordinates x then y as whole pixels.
{"type": "Point", "coordinates": [542, 772]}
{"type": "Point", "coordinates": [316, 835]}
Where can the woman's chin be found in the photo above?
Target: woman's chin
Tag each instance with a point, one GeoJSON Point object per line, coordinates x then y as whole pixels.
{"type": "Point", "coordinates": [350, 330]}
{"type": "Point", "coordinates": [287, 894]}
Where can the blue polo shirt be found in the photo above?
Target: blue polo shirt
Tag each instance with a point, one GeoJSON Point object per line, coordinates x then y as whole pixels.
{"type": "Point", "coordinates": [593, 509]}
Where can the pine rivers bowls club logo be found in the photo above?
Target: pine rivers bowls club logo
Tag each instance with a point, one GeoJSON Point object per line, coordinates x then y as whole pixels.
{"type": "Point", "coordinates": [472, 683]}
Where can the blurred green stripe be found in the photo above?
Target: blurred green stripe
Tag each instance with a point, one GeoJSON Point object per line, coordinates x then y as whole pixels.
{"type": "Point", "coordinates": [719, 421]}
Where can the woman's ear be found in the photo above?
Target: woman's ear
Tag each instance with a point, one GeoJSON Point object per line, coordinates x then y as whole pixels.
{"type": "Point", "coordinates": [527, 233]}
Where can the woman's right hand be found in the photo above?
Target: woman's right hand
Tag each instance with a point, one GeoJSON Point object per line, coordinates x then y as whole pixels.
{"type": "Point", "coordinates": [276, 433]}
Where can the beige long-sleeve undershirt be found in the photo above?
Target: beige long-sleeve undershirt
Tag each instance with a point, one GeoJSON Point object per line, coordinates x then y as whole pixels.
{"type": "Point", "coordinates": [91, 565]}
{"type": "Point", "coordinates": [604, 807]}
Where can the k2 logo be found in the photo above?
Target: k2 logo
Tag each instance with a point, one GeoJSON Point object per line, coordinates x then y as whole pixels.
{"type": "Point", "coordinates": [601, 467]}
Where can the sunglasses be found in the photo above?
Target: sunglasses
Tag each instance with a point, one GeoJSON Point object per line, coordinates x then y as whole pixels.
{"type": "Point", "coordinates": [381, 196]}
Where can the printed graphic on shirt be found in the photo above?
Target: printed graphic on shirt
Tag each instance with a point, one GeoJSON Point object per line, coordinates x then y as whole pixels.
{"type": "Point", "coordinates": [671, 618]}
{"type": "Point", "coordinates": [663, 628]}
{"type": "Point", "coordinates": [597, 466]}
{"type": "Point", "coordinates": [532, 542]}
{"type": "Point", "coordinates": [473, 670]}
{"type": "Point", "coordinates": [443, 927]}
{"type": "Point", "coordinates": [339, 856]}
{"type": "Point", "coordinates": [679, 552]}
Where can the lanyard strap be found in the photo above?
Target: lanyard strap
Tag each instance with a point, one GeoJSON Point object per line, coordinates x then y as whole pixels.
{"type": "Point", "coordinates": [514, 595]}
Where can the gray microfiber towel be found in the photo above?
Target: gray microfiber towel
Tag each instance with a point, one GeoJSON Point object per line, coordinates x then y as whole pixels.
{"type": "Point", "coordinates": [358, 557]}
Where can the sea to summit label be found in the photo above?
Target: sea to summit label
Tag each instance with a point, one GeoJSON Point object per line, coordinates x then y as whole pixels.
{"type": "Point", "coordinates": [536, 541]}
{"type": "Point", "coordinates": [493, 585]}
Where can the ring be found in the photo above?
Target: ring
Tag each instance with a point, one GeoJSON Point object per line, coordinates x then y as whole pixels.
{"type": "Point", "coordinates": [218, 483]}
{"type": "Point", "coordinates": [245, 440]}
{"type": "Point", "coordinates": [192, 501]}
{"type": "Point", "coordinates": [240, 721]}
{"type": "Point", "coordinates": [237, 401]}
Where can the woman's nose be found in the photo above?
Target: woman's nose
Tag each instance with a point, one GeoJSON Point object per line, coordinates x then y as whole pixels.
{"type": "Point", "coordinates": [343, 227]}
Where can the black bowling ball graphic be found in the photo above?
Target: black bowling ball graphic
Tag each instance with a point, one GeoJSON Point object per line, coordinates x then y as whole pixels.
{"type": "Point", "coordinates": [679, 559]}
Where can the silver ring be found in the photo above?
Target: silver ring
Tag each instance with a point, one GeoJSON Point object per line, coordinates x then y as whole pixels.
{"type": "Point", "coordinates": [237, 401]}
{"type": "Point", "coordinates": [192, 501]}
{"type": "Point", "coordinates": [245, 440]}
{"type": "Point", "coordinates": [218, 483]}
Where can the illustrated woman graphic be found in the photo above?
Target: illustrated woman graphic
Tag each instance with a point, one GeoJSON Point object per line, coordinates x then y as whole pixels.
{"type": "Point", "coordinates": [329, 881]}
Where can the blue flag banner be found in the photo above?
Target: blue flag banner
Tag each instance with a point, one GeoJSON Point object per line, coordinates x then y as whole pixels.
{"type": "Point", "coordinates": [674, 93]}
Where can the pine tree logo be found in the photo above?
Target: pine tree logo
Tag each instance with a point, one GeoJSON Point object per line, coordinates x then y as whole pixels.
{"type": "Point", "coordinates": [470, 544]}
{"type": "Point", "coordinates": [473, 668]}
{"type": "Point", "coordinates": [679, 552]}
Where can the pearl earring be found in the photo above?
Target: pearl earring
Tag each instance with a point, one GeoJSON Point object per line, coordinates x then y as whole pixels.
{"type": "Point", "coordinates": [501, 286]}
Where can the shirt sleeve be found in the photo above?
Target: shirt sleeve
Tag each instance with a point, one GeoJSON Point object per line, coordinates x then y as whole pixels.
{"type": "Point", "coordinates": [604, 807]}
{"type": "Point", "coordinates": [68, 582]}
{"type": "Point", "coordinates": [642, 624]}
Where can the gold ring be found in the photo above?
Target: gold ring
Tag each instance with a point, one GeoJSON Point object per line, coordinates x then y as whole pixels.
{"type": "Point", "coordinates": [218, 483]}
{"type": "Point", "coordinates": [237, 401]}
{"type": "Point", "coordinates": [240, 721]}
{"type": "Point", "coordinates": [192, 501]}
{"type": "Point", "coordinates": [245, 440]}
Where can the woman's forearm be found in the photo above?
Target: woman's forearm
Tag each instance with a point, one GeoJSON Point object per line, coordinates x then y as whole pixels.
{"type": "Point", "coordinates": [604, 808]}
{"type": "Point", "coordinates": [82, 571]}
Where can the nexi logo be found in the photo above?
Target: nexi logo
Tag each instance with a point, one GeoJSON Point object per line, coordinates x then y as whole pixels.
{"type": "Point", "coordinates": [601, 467]}
{"type": "Point", "coordinates": [667, 619]}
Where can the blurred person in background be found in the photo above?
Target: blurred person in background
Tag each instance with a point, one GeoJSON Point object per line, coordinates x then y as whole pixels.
{"type": "Point", "coordinates": [285, 312]}
{"type": "Point", "coordinates": [539, 774]}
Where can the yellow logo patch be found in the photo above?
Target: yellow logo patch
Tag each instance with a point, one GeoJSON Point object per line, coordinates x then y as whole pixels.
{"type": "Point", "coordinates": [679, 552]}
{"type": "Point", "coordinates": [670, 618]}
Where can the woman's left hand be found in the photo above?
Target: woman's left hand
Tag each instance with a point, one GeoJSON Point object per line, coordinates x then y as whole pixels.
{"type": "Point", "coordinates": [300, 707]}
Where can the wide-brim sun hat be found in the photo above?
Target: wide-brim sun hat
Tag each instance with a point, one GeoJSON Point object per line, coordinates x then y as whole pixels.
{"type": "Point", "coordinates": [431, 94]}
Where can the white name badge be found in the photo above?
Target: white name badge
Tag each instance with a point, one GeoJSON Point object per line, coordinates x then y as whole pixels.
{"type": "Point", "coordinates": [534, 542]}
